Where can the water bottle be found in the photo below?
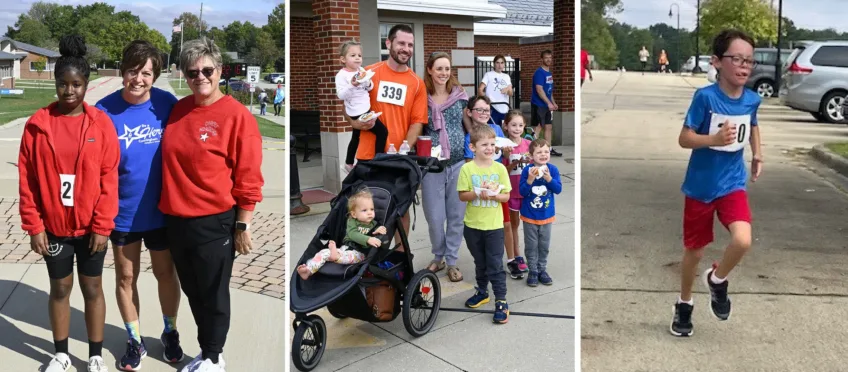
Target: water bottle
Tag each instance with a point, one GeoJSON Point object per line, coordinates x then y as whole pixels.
{"type": "Point", "coordinates": [404, 148]}
{"type": "Point", "coordinates": [392, 149]}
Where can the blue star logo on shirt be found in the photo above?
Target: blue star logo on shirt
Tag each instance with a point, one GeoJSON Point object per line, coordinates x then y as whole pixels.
{"type": "Point", "coordinates": [131, 134]}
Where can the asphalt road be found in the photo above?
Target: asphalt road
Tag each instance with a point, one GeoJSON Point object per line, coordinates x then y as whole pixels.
{"type": "Point", "coordinates": [789, 293]}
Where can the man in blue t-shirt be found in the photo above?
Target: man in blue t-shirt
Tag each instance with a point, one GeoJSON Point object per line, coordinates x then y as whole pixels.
{"type": "Point", "coordinates": [721, 122]}
{"type": "Point", "coordinates": [542, 104]}
{"type": "Point", "coordinates": [139, 112]}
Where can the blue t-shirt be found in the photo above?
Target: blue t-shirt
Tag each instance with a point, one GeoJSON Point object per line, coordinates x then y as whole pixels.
{"type": "Point", "coordinates": [713, 173]}
{"type": "Point", "coordinates": [538, 205]}
{"type": "Point", "coordinates": [140, 129]}
{"type": "Point", "coordinates": [470, 154]}
{"type": "Point", "coordinates": [546, 80]}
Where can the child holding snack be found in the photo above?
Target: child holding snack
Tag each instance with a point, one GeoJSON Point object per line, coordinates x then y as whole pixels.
{"type": "Point", "coordinates": [352, 85]}
{"type": "Point", "coordinates": [515, 159]}
{"type": "Point", "coordinates": [483, 185]}
{"type": "Point", "coordinates": [359, 226]}
{"type": "Point", "coordinates": [539, 182]}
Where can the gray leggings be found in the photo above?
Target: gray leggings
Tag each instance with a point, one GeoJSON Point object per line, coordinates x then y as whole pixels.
{"type": "Point", "coordinates": [537, 242]}
{"type": "Point", "coordinates": [442, 205]}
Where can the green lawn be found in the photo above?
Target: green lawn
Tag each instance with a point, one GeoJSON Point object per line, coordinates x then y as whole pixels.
{"type": "Point", "coordinates": [13, 107]}
{"type": "Point", "coordinates": [185, 91]}
{"type": "Point", "coordinates": [840, 148]}
{"type": "Point", "coordinates": [269, 128]}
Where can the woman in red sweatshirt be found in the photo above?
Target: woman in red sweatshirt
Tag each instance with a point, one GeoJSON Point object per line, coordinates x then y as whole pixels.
{"type": "Point", "coordinates": [211, 181]}
{"type": "Point", "coordinates": [68, 167]}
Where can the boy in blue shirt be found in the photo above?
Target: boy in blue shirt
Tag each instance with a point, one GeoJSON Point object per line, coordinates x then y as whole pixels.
{"type": "Point", "coordinates": [542, 104]}
{"type": "Point", "coordinates": [721, 121]}
{"type": "Point", "coordinates": [538, 184]}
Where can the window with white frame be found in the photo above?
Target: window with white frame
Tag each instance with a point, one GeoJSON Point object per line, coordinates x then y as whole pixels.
{"type": "Point", "coordinates": [49, 66]}
{"type": "Point", "coordinates": [384, 35]}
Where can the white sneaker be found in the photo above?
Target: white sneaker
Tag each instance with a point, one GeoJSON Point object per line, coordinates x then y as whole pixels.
{"type": "Point", "coordinates": [194, 364]}
{"type": "Point", "coordinates": [61, 362]}
{"type": "Point", "coordinates": [208, 366]}
{"type": "Point", "coordinates": [96, 364]}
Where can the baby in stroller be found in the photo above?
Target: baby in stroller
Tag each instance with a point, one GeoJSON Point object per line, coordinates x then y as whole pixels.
{"type": "Point", "coordinates": [358, 237]}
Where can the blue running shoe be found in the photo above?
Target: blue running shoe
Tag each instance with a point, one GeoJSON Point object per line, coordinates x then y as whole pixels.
{"type": "Point", "coordinates": [501, 312]}
{"type": "Point", "coordinates": [533, 279]}
{"type": "Point", "coordinates": [131, 361]}
{"type": "Point", "coordinates": [171, 343]}
{"type": "Point", "coordinates": [479, 298]}
{"type": "Point", "coordinates": [545, 279]}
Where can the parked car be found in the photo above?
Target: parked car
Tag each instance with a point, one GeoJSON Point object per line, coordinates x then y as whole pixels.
{"type": "Point", "coordinates": [761, 79]}
{"type": "Point", "coordinates": [815, 80]}
{"type": "Point", "coordinates": [276, 78]}
{"type": "Point", "coordinates": [237, 85]}
{"type": "Point", "coordinates": [703, 66]}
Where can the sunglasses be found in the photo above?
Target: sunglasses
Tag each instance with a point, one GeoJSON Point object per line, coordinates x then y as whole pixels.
{"type": "Point", "coordinates": [193, 74]}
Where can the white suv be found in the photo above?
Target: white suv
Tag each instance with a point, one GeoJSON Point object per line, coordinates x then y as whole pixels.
{"type": "Point", "coordinates": [815, 80]}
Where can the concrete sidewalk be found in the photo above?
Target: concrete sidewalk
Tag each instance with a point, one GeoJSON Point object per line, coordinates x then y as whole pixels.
{"type": "Point", "coordinates": [26, 342]}
{"type": "Point", "coordinates": [462, 341]}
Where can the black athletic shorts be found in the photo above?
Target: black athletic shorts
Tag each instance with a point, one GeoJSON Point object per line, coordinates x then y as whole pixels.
{"type": "Point", "coordinates": [60, 257]}
{"type": "Point", "coordinates": [154, 240]}
{"type": "Point", "coordinates": [540, 115]}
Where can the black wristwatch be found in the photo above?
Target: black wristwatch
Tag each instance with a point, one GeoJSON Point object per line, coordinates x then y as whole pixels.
{"type": "Point", "coordinates": [242, 226]}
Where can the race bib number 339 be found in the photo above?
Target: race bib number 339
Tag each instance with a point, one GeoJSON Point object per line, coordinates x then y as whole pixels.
{"type": "Point", "coordinates": [66, 191]}
{"type": "Point", "coordinates": [392, 93]}
{"type": "Point", "coordinates": [743, 130]}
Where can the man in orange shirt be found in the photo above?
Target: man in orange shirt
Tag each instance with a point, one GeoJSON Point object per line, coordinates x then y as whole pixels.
{"type": "Point", "coordinates": [399, 94]}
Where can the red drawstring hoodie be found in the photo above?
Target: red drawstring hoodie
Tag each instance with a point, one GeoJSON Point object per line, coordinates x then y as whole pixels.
{"type": "Point", "coordinates": [95, 196]}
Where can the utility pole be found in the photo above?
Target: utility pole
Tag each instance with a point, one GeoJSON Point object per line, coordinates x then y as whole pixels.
{"type": "Point", "coordinates": [697, 41]}
{"type": "Point", "coordinates": [777, 65]}
{"type": "Point", "coordinates": [182, 32]}
{"type": "Point", "coordinates": [200, 26]}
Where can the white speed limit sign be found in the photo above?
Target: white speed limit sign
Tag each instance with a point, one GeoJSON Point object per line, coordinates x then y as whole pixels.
{"type": "Point", "coordinates": [253, 74]}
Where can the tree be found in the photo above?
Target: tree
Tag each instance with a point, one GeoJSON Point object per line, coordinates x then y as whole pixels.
{"type": "Point", "coordinates": [191, 28]}
{"type": "Point", "coordinates": [40, 65]}
{"type": "Point", "coordinates": [606, 8]}
{"type": "Point", "coordinates": [265, 52]}
{"type": "Point", "coordinates": [30, 31]}
{"type": "Point", "coordinates": [754, 17]}
{"type": "Point", "coordinates": [597, 40]}
{"type": "Point", "coordinates": [276, 26]}
{"type": "Point", "coordinates": [94, 54]}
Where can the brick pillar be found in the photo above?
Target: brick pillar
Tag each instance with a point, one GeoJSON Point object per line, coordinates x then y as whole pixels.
{"type": "Point", "coordinates": [459, 44]}
{"type": "Point", "coordinates": [564, 72]}
{"type": "Point", "coordinates": [333, 22]}
{"type": "Point", "coordinates": [302, 81]}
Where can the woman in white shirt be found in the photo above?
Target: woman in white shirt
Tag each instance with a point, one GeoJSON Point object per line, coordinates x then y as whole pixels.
{"type": "Point", "coordinates": [498, 87]}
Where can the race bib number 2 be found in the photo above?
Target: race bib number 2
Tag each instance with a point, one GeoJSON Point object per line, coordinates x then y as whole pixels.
{"type": "Point", "coordinates": [743, 130]}
{"type": "Point", "coordinates": [66, 191]}
{"type": "Point", "coordinates": [392, 93]}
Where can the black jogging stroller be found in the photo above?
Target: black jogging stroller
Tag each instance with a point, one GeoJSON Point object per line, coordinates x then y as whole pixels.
{"type": "Point", "coordinates": [393, 181]}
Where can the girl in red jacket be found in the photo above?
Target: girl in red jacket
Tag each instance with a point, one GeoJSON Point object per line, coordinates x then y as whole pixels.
{"type": "Point", "coordinates": [68, 167]}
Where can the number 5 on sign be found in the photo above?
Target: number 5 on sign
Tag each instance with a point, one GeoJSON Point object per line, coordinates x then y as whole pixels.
{"type": "Point", "coordinates": [66, 191]}
{"type": "Point", "coordinates": [743, 130]}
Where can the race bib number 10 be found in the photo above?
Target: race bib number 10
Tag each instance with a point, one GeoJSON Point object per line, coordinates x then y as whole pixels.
{"type": "Point", "coordinates": [66, 191]}
{"type": "Point", "coordinates": [392, 93]}
{"type": "Point", "coordinates": [743, 130]}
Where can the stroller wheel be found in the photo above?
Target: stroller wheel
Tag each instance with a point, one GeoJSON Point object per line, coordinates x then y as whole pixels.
{"type": "Point", "coordinates": [310, 340]}
{"type": "Point", "coordinates": [421, 303]}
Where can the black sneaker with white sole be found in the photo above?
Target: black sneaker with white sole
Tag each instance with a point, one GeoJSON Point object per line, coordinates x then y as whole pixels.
{"type": "Point", "coordinates": [719, 301]}
{"type": "Point", "coordinates": [681, 321]}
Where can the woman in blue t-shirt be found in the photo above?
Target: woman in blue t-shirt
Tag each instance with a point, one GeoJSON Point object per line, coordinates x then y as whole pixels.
{"type": "Point", "coordinates": [139, 112]}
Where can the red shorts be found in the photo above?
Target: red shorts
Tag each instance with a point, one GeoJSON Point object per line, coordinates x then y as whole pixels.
{"type": "Point", "coordinates": [505, 212]}
{"type": "Point", "coordinates": [698, 217]}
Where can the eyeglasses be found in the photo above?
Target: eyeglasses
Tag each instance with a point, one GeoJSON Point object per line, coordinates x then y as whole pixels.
{"type": "Point", "coordinates": [738, 61]}
{"type": "Point", "coordinates": [481, 111]}
{"type": "Point", "coordinates": [193, 74]}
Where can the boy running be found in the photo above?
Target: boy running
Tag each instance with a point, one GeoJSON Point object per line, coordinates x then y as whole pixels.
{"type": "Point", "coordinates": [721, 121]}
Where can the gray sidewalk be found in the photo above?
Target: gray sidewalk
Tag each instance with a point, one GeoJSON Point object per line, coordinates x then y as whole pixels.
{"type": "Point", "coordinates": [462, 341]}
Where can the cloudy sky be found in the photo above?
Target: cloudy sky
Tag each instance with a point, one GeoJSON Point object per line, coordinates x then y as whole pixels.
{"type": "Point", "coordinates": [811, 14]}
{"type": "Point", "coordinates": [160, 14]}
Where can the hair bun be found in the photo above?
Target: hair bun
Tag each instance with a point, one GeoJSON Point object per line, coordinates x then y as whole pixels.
{"type": "Point", "coordinates": [72, 46]}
